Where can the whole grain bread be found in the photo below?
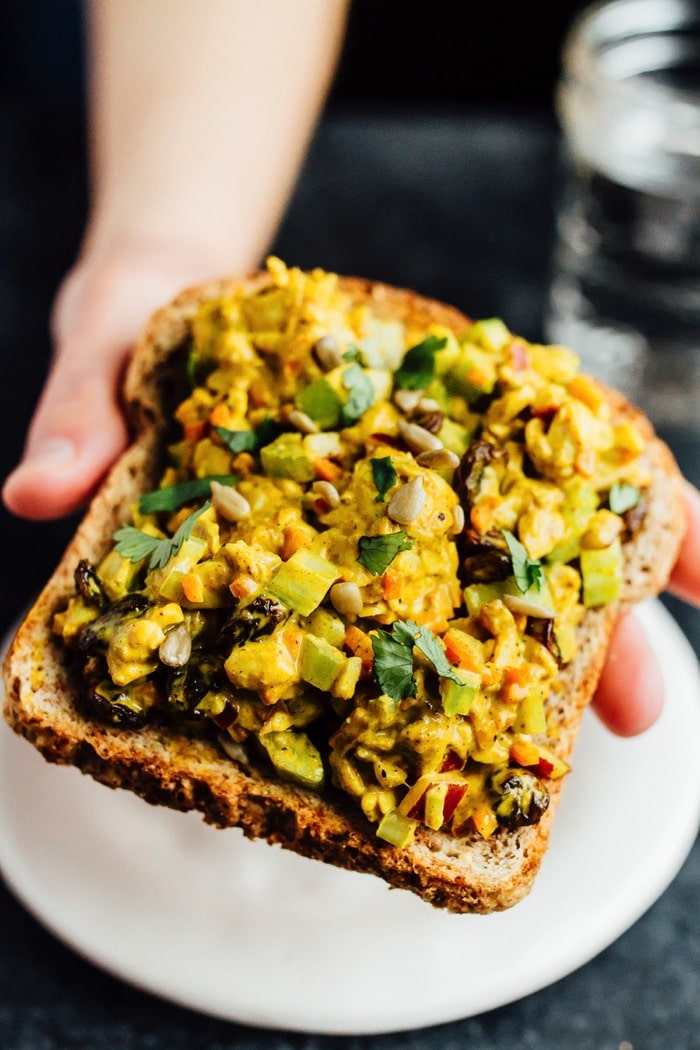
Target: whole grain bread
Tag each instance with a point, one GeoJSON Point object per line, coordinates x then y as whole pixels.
{"type": "Point", "coordinates": [170, 768]}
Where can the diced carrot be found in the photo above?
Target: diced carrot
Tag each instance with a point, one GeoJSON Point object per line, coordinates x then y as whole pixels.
{"type": "Point", "coordinates": [194, 429]}
{"type": "Point", "coordinates": [481, 515]}
{"type": "Point", "coordinates": [484, 820]}
{"type": "Point", "coordinates": [327, 470]}
{"type": "Point", "coordinates": [243, 463]}
{"type": "Point", "coordinates": [242, 586]}
{"type": "Point", "coordinates": [587, 390]}
{"type": "Point", "coordinates": [392, 584]}
{"type": "Point", "coordinates": [220, 416]}
{"type": "Point", "coordinates": [459, 652]}
{"type": "Point", "coordinates": [294, 538]}
{"type": "Point", "coordinates": [192, 587]}
{"type": "Point", "coordinates": [525, 753]}
{"type": "Point", "coordinates": [360, 644]}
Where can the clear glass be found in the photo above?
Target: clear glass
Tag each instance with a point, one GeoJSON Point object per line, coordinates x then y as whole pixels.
{"type": "Point", "coordinates": [625, 289]}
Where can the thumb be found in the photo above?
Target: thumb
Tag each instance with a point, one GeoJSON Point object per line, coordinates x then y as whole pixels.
{"type": "Point", "coordinates": [78, 429]}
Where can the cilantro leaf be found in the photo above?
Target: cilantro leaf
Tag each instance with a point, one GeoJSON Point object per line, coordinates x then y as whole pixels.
{"type": "Point", "coordinates": [360, 394]}
{"type": "Point", "coordinates": [135, 545]}
{"type": "Point", "coordinates": [384, 475]}
{"type": "Point", "coordinates": [432, 650]}
{"type": "Point", "coordinates": [250, 440]}
{"type": "Point", "coordinates": [527, 571]}
{"type": "Point", "coordinates": [623, 497]}
{"type": "Point", "coordinates": [237, 440]}
{"type": "Point", "coordinates": [170, 497]}
{"type": "Point", "coordinates": [418, 366]}
{"type": "Point", "coordinates": [428, 644]}
{"type": "Point", "coordinates": [393, 665]}
{"type": "Point", "coordinates": [376, 553]}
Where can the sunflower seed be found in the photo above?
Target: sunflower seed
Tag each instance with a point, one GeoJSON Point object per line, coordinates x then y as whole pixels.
{"type": "Point", "coordinates": [418, 438]}
{"type": "Point", "coordinates": [229, 503]}
{"type": "Point", "coordinates": [302, 422]}
{"type": "Point", "coordinates": [327, 492]}
{"type": "Point", "coordinates": [407, 503]}
{"type": "Point", "coordinates": [346, 599]}
{"type": "Point", "coordinates": [328, 353]}
{"type": "Point", "coordinates": [176, 648]}
{"type": "Point", "coordinates": [438, 459]}
{"type": "Point", "coordinates": [407, 400]}
{"type": "Point", "coordinates": [459, 520]}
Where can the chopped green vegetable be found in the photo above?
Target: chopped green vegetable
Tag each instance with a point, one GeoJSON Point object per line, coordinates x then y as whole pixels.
{"type": "Point", "coordinates": [352, 353]}
{"type": "Point", "coordinates": [393, 664]}
{"type": "Point", "coordinates": [360, 394]}
{"type": "Point", "coordinates": [135, 545]}
{"type": "Point", "coordinates": [303, 581]}
{"type": "Point", "coordinates": [171, 497]}
{"type": "Point", "coordinates": [623, 497]}
{"type": "Point", "coordinates": [376, 553]}
{"type": "Point", "coordinates": [418, 367]}
{"type": "Point", "coordinates": [527, 571]}
{"type": "Point", "coordinates": [396, 829]}
{"type": "Point", "coordinates": [384, 474]}
{"type": "Point", "coordinates": [321, 403]}
{"type": "Point", "coordinates": [458, 693]}
{"type": "Point", "coordinates": [250, 440]}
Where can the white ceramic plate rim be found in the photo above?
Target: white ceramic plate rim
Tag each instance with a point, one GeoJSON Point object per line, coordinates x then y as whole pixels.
{"type": "Point", "coordinates": [282, 942]}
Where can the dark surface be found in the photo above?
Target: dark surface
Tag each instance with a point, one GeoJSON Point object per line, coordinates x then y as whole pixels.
{"type": "Point", "coordinates": [459, 208]}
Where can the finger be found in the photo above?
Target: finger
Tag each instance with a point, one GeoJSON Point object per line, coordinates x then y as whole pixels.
{"type": "Point", "coordinates": [77, 432]}
{"type": "Point", "coordinates": [685, 578]}
{"type": "Point", "coordinates": [629, 697]}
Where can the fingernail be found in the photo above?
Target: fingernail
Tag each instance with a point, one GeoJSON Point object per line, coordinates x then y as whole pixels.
{"type": "Point", "coordinates": [49, 454]}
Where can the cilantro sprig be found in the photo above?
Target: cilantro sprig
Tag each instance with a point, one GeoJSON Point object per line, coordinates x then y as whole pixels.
{"type": "Point", "coordinates": [135, 544]}
{"type": "Point", "coordinates": [393, 663]}
{"type": "Point", "coordinates": [384, 475]}
{"type": "Point", "coordinates": [527, 570]}
{"type": "Point", "coordinates": [376, 553]}
{"type": "Point", "coordinates": [418, 366]}
{"type": "Point", "coordinates": [170, 497]}
{"type": "Point", "coordinates": [623, 497]}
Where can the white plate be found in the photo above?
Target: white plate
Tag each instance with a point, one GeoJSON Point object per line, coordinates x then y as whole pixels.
{"type": "Point", "coordinates": [253, 934]}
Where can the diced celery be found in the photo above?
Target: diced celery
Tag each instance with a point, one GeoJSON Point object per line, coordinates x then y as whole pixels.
{"type": "Point", "coordinates": [117, 575]}
{"type": "Point", "coordinates": [397, 829]}
{"type": "Point", "coordinates": [601, 571]}
{"type": "Point", "coordinates": [286, 457]}
{"type": "Point", "coordinates": [191, 551]}
{"type": "Point", "coordinates": [454, 436]}
{"type": "Point", "coordinates": [472, 373]}
{"type": "Point", "coordinates": [303, 581]}
{"type": "Point", "coordinates": [458, 697]}
{"type": "Point", "coordinates": [531, 715]}
{"type": "Point", "coordinates": [490, 333]}
{"type": "Point", "coordinates": [325, 624]}
{"type": "Point", "coordinates": [478, 594]}
{"type": "Point", "coordinates": [383, 345]}
{"type": "Point", "coordinates": [294, 757]}
{"type": "Point", "coordinates": [321, 403]}
{"type": "Point", "coordinates": [435, 805]}
{"type": "Point", "coordinates": [321, 662]}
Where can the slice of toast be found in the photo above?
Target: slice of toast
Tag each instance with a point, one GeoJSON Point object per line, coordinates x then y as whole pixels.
{"type": "Point", "coordinates": [168, 767]}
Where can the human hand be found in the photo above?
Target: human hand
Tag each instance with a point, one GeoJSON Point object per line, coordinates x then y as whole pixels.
{"type": "Point", "coordinates": [78, 429]}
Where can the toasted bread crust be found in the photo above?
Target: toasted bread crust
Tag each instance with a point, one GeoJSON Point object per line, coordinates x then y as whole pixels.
{"type": "Point", "coordinates": [168, 768]}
